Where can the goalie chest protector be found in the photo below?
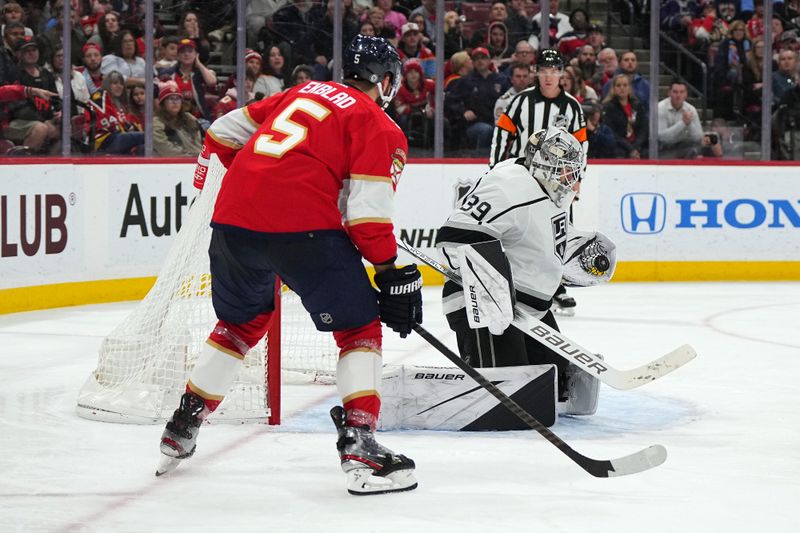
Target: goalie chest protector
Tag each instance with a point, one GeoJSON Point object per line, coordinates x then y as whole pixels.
{"type": "Point", "coordinates": [508, 204]}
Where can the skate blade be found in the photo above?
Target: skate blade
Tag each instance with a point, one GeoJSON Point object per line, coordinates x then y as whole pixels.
{"type": "Point", "coordinates": [560, 311]}
{"type": "Point", "coordinates": [362, 482]}
{"type": "Point", "coordinates": [167, 464]}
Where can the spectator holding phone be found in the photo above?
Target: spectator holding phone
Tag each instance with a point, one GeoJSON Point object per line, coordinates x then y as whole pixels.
{"type": "Point", "coordinates": [680, 134]}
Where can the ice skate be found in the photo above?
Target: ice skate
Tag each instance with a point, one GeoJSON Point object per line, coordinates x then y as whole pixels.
{"type": "Point", "coordinates": [179, 440]}
{"type": "Point", "coordinates": [370, 467]}
{"type": "Point", "coordinates": [563, 303]}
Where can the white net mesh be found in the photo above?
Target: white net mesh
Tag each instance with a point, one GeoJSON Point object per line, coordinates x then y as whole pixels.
{"type": "Point", "coordinates": [145, 362]}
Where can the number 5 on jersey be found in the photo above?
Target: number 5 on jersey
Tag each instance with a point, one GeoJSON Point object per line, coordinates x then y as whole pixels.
{"type": "Point", "coordinates": [283, 123]}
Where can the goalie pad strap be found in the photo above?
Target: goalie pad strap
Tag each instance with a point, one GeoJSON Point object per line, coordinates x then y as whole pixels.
{"type": "Point", "coordinates": [532, 301]}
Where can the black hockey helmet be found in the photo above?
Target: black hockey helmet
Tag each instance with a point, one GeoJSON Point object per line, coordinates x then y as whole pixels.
{"type": "Point", "coordinates": [550, 57]}
{"type": "Point", "coordinates": [370, 59]}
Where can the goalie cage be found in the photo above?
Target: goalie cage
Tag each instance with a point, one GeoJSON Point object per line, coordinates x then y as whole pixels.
{"type": "Point", "coordinates": [144, 362]}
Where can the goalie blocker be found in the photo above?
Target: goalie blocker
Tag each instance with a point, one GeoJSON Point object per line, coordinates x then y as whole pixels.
{"type": "Point", "coordinates": [481, 312]}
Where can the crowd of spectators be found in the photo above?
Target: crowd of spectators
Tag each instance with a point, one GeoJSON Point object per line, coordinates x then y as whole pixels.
{"type": "Point", "coordinates": [490, 51]}
{"type": "Point", "coordinates": [728, 36]}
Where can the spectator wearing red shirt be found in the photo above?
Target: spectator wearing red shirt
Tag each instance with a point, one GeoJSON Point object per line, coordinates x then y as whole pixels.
{"type": "Point", "coordinates": [411, 47]}
{"type": "Point", "coordinates": [91, 70]}
{"type": "Point", "coordinates": [192, 79]}
{"type": "Point", "coordinates": [136, 99]}
{"type": "Point", "coordinates": [755, 26]}
{"type": "Point", "coordinates": [13, 93]}
{"type": "Point", "coordinates": [229, 102]}
{"type": "Point", "coordinates": [414, 102]}
{"type": "Point", "coordinates": [113, 132]}
{"type": "Point", "coordinates": [571, 42]}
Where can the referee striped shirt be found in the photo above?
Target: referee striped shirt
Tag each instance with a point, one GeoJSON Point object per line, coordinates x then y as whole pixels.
{"type": "Point", "coordinates": [531, 111]}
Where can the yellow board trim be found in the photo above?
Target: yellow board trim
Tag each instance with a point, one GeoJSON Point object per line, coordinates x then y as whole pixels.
{"type": "Point", "coordinates": [76, 293]}
{"type": "Point", "coordinates": [708, 271]}
{"type": "Point", "coordinates": [117, 290]}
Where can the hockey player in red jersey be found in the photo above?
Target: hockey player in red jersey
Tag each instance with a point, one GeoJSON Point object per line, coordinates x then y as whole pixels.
{"type": "Point", "coordinates": [307, 195]}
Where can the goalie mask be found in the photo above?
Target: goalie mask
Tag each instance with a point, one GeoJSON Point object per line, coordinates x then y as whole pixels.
{"type": "Point", "coordinates": [555, 159]}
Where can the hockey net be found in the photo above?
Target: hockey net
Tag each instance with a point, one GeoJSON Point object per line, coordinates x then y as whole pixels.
{"type": "Point", "coordinates": [144, 362]}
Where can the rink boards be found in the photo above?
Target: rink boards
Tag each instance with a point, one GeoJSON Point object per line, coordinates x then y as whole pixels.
{"type": "Point", "coordinates": [73, 232]}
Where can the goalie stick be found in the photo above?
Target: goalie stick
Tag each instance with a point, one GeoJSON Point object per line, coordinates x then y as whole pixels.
{"type": "Point", "coordinates": [572, 351]}
{"type": "Point", "coordinates": [640, 461]}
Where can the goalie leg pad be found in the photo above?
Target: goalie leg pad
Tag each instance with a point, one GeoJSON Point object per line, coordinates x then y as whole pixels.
{"type": "Point", "coordinates": [481, 349]}
{"type": "Point", "coordinates": [583, 392]}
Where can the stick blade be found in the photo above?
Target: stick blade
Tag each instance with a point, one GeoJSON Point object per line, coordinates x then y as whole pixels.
{"type": "Point", "coordinates": [657, 368]}
{"type": "Point", "coordinates": [640, 461]}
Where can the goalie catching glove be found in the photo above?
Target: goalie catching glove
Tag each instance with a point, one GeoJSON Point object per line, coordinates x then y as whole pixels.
{"type": "Point", "coordinates": [591, 258]}
{"type": "Point", "coordinates": [400, 298]}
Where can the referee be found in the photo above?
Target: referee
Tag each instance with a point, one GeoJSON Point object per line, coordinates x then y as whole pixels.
{"type": "Point", "coordinates": [543, 105]}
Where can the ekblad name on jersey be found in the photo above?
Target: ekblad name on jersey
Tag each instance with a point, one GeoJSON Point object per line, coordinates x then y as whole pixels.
{"type": "Point", "coordinates": [300, 166]}
{"type": "Point", "coordinates": [507, 203]}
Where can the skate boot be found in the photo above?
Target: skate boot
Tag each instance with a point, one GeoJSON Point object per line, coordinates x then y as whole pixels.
{"type": "Point", "coordinates": [370, 467]}
{"type": "Point", "coordinates": [563, 303]}
{"type": "Point", "coordinates": [179, 440]}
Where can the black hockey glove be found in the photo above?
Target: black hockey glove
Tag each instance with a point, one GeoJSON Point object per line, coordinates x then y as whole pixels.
{"type": "Point", "coordinates": [400, 298]}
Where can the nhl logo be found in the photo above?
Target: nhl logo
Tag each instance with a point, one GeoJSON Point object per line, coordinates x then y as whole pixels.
{"type": "Point", "coordinates": [326, 318]}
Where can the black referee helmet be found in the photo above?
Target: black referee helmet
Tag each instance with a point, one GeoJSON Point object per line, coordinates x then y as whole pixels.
{"type": "Point", "coordinates": [550, 57]}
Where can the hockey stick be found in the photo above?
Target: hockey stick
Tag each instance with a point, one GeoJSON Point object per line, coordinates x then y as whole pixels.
{"type": "Point", "coordinates": [572, 351]}
{"type": "Point", "coordinates": [630, 464]}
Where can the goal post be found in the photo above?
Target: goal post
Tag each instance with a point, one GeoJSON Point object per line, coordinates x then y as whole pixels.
{"type": "Point", "coordinates": [144, 363]}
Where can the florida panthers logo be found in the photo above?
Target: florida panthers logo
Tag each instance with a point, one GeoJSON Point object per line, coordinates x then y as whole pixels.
{"type": "Point", "coordinates": [559, 224]}
{"type": "Point", "coordinates": [398, 164]}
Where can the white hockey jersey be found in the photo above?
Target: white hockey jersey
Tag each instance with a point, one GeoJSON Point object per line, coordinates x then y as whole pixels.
{"type": "Point", "coordinates": [508, 204]}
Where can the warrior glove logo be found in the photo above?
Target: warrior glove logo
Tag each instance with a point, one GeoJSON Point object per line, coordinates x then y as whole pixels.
{"type": "Point", "coordinates": [407, 288]}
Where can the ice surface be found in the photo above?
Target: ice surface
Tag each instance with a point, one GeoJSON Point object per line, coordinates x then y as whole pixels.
{"type": "Point", "coordinates": [729, 420]}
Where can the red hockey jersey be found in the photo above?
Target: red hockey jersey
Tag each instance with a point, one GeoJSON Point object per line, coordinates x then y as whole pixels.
{"type": "Point", "coordinates": [108, 118]}
{"type": "Point", "coordinates": [319, 156]}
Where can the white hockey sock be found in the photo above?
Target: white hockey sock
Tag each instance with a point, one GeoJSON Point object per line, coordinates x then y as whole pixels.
{"type": "Point", "coordinates": [214, 371]}
{"type": "Point", "coordinates": [358, 373]}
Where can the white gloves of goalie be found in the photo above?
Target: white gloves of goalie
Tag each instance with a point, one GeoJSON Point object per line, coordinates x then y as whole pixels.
{"type": "Point", "coordinates": [590, 259]}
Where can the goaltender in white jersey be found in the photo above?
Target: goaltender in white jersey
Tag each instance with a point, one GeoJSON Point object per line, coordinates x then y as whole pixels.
{"type": "Point", "coordinates": [523, 203]}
